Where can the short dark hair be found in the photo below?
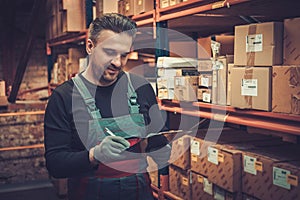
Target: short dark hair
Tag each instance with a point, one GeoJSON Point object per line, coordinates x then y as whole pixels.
{"type": "Point", "coordinates": [112, 21]}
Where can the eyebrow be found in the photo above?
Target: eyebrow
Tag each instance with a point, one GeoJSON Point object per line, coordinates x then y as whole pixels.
{"type": "Point", "coordinates": [126, 52]}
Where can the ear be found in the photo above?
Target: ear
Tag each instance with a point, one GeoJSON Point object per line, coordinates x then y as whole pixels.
{"type": "Point", "coordinates": [89, 46]}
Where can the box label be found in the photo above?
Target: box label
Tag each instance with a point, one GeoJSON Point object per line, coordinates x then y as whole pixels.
{"type": "Point", "coordinates": [206, 97]}
{"type": "Point", "coordinates": [212, 155]}
{"type": "Point", "coordinates": [204, 81]}
{"type": "Point", "coordinates": [249, 165]}
{"type": "Point", "coordinates": [280, 177]}
{"type": "Point", "coordinates": [200, 178]}
{"type": "Point", "coordinates": [208, 186]}
{"type": "Point", "coordinates": [195, 147]}
{"type": "Point", "coordinates": [249, 87]}
{"type": "Point", "coordinates": [254, 43]}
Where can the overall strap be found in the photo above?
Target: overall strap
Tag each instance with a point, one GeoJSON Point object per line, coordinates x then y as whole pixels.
{"type": "Point", "coordinates": [87, 97]}
{"type": "Point", "coordinates": [132, 97]}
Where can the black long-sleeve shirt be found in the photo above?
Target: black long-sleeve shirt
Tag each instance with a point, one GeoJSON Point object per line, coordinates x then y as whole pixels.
{"type": "Point", "coordinates": [67, 119]}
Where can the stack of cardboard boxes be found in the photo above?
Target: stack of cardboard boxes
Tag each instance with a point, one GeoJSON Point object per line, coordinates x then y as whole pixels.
{"type": "Point", "coordinates": [267, 64]}
{"type": "Point", "coordinates": [233, 165]}
{"type": "Point", "coordinates": [65, 16]}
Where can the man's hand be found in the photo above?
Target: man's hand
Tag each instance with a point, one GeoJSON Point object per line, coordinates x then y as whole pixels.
{"type": "Point", "coordinates": [110, 149]}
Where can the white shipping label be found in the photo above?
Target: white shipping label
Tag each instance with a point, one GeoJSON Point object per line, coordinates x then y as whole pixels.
{"type": "Point", "coordinates": [254, 43]}
{"type": "Point", "coordinates": [280, 177]}
{"type": "Point", "coordinates": [207, 186]}
{"type": "Point", "coordinates": [206, 97]}
{"type": "Point", "coordinates": [205, 81]}
{"type": "Point", "coordinates": [195, 147]}
{"type": "Point", "coordinates": [249, 165]}
{"type": "Point", "coordinates": [249, 87]}
{"type": "Point", "coordinates": [212, 155]}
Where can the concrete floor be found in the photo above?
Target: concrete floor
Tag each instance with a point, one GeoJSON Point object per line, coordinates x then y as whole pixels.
{"type": "Point", "coordinates": [41, 190]}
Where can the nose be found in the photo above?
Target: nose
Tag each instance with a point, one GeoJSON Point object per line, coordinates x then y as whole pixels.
{"type": "Point", "coordinates": [117, 61]}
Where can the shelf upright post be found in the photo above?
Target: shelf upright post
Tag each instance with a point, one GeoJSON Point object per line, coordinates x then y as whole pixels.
{"type": "Point", "coordinates": [162, 49]}
{"type": "Point", "coordinates": [89, 12]}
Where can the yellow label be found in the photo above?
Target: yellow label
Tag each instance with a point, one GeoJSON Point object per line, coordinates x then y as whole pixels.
{"type": "Point", "coordinates": [194, 158]}
{"type": "Point", "coordinates": [221, 157]}
{"type": "Point", "coordinates": [218, 4]}
{"type": "Point", "coordinates": [200, 178]}
{"type": "Point", "coordinates": [127, 6]}
{"type": "Point", "coordinates": [292, 179]}
{"type": "Point", "coordinates": [184, 181]}
{"type": "Point", "coordinates": [259, 166]}
{"type": "Point", "coordinates": [180, 141]}
{"type": "Point", "coordinates": [140, 2]}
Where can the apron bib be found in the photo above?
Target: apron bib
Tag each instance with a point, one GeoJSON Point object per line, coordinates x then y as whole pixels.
{"type": "Point", "coordinates": [128, 126]}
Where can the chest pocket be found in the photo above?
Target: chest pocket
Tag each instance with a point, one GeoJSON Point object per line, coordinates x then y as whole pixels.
{"type": "Point", "coordinates": [127, 126]}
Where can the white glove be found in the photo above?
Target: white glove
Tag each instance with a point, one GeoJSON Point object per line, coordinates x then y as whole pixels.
{"type": "Point", "coordinates": [110, 149]}
{"type": "Point", "coordinates": [161, 156]}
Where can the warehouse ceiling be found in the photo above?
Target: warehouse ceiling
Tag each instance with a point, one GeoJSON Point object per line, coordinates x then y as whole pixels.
{"type": "Point", "coordinates": [15, 16]}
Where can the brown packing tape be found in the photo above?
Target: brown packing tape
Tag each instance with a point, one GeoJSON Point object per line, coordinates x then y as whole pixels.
{"type": "Point", "coordinates": [248, 75]}
{"type": "Point", "coordinates": [292, 179]}
{"type": "Point", "coordinates": [221, 157]}
{"type": "Point", "coordinates": [251, 55]}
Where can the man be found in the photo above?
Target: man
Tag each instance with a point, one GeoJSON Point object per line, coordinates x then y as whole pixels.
{"type": "Point", "coordinates": [93, 121]}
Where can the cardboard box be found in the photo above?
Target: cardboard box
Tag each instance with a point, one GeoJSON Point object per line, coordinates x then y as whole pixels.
{"type": "Point", "coordinates": [221, 194]}
{"type": "Point", "coordinates": [2, 88]}
{"type": "Point", "coordinates": [180, 154]}
{"type": "Point", "coordinates": [205, 80]}
{"type": "Point", "coordinates": [152, 171]}
{"type": "Point", "coordinates": [291, 42]}
{"type": "Point", "coordinates": [258, 44]}
{"type": "Point", "coordinates": [185, 88]}
{"type": "Point", "coordinates": [229, 82]}
{"type": "Point", "coordinates": [186, 49]}
{"type": "Point", "coordinates": [219, 86]}
{"type": "Point", "coordinates": [286, 89]}
{"type": "Point", "coordinates": [176, 62]}
{"type": "Point", "coordinates": [179, 181]}
{"type": "Point", "coordinates": [164, 3]}
{"type": "Point", "coordinates": [165, 88]}
{"type": "Point", "coordinates": [172, 72]}
{"type": "Point", "coordinates": [258, 171]}
{"type": "Point", "coordinates": [129, 7]}
{"type": "Point", "coordinates": [74, 54]}
{"type": "Point", "coordinates": [205, 65]}
{"type": "Point", "coordinates": [201, 187]}
{"type": "Point", "coordinates": [286, 176]}
{"type": "Point", "coordinates": [3, 101]}
{"type": "Point", "coordinates": [142, 6]}
{"type": "Point", "coordinates": [204, 94]}
{"type": "Point", "coordinates": [204, 46]}
{"type": "Point", "coordinates": [73, 16]}
{"type": "Point", "coordinates": [251, 88]}
{"type": "Point", "coordinates": [220, 160]}
{"type": "Point", "coordinates": [121, 7]}
{"type": "Point", "coordinates": [174, 2]}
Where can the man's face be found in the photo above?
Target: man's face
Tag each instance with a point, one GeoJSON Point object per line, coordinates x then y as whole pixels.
{"type": "Point", "coordinates": [109, 55]}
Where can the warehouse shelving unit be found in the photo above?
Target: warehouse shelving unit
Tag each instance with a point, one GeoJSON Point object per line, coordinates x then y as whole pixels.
{"type": "Point", "coordinates": [206, 18]}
